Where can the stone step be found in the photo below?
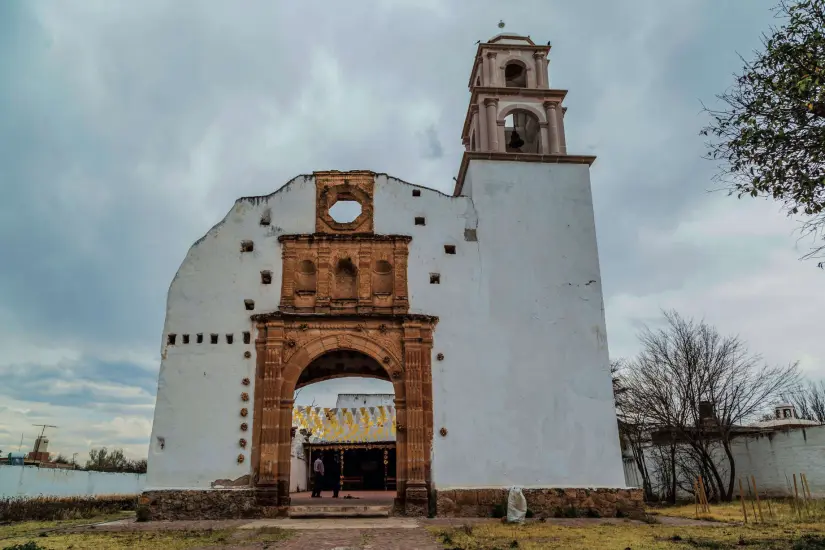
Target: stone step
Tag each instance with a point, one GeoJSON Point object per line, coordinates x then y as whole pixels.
{"type": "Point", "coordinates": [339, 511]}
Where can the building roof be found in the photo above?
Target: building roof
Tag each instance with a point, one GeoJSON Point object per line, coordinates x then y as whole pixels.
{"type": "Point", "coordinates": [786, 423]}
{"type": "Point", "coordinates": [346, 425]}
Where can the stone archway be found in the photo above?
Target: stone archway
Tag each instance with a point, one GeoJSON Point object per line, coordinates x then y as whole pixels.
{"type": "Point", "coordinates": [288, 343]}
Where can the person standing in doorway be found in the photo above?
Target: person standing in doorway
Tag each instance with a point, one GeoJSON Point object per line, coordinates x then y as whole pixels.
{"type": "Point", "coordinates": [317, 477]}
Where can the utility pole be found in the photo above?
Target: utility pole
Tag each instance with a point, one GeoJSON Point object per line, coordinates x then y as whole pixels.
{"type": "Point", "coordinates": [37, 442]}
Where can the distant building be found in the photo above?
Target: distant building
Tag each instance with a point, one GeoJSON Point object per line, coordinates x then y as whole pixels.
{"type": "Point", "coordinates": [785, 417]}
{"type": "Point", "coordinates": [40, 453]}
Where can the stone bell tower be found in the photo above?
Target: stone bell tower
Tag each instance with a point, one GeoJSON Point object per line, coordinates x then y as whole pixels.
{"type": "Point", "coordinates": [513, 112]}
{"type": "Point", "coordinates": [536, 238]}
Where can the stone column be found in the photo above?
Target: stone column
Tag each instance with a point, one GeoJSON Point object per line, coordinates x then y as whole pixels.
{"type": "Point", "coordinates": [491, 104]}
{"type": "Point", "coordinates": [562, 139]}
{"type": "Point", "coordinates": [545, 138]}
{"type": "Point", "coordinates": [323, 274]}
{"type": "Point", "coordinates": [364, 278]}
{"type": "Point", "coordinates": [475, 126]}
{"type": "Point", "coordinates": [550, 108]}
{"type": "Point", "coordinates": [400, 301]}
{"type": "Point", "coordinates": [416, 494]}
{"type": "Point", "coordinates": [270, 420]}
{"type": "Point", "coordinates": [285, 446]}
{"type": "Point", "coordinates": [288, 281]}
{"type": "Point", "coordinates": [541, 74]}
{"type": "Point", "coordinates": [493, 76]}
{"type": "Point", "coordinates": [484, 142]}
{"type": "Point", "coordinates": [502, 137]}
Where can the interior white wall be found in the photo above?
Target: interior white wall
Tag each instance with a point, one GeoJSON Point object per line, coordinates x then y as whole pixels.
{"type": "Point", "coordinates": [524, 389]}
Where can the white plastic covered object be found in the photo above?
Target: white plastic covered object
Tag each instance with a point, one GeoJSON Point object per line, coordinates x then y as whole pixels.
{"type": "Point", "coordinates": [516, 506]}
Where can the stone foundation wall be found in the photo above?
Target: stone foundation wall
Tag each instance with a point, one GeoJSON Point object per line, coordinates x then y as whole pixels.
{"type": "Point", "coordinates": [217, 504]}
{"type": "Point", "coordinates": [543, 503]}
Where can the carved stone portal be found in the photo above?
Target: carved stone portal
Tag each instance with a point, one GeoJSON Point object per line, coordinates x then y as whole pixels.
{"type": "Point", "coordinates": [288, 343]}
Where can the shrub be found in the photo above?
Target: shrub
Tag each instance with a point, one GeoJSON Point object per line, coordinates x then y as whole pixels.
{"type": "Point", "coordinates": [57, 508]}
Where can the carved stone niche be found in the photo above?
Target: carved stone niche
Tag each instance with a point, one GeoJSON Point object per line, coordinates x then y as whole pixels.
{"type": "Point", "coordinates": [344, 273]}
{"type": "Point", "coordinates": [334, 186]}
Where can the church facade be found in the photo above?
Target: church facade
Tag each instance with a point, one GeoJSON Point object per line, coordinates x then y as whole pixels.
{"type": "Point", "coordinates": [484, 310]}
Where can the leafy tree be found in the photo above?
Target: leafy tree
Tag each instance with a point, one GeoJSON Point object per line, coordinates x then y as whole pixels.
{"type": "Point", "coordinates": [104, 460]}
{"type": "Point", "coordinates": [769, 137]}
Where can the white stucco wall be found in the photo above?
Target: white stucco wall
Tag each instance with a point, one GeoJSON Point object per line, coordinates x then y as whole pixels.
{"type": "Point", "coordinates": [524, 389]}
{"type": "Point", "coordinates": [31, 481]}
{"type": "Point", "coordinates": [772, 459]}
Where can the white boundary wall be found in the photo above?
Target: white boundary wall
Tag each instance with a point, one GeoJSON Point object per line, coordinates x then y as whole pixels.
{"type": "Point", "coordinates": [31, 481]}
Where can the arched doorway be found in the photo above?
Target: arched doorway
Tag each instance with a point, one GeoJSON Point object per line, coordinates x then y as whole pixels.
{"type": "Point", "coordinates": [354, 436]}
{"type": "Point", "coordinates": [290, 345]}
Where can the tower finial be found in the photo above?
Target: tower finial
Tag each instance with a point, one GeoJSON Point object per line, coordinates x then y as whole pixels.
{"type": "Point", "coordinates": [501, 23]}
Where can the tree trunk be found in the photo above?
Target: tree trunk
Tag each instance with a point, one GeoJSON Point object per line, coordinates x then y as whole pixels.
{"type": "Point", "coordinates": [729, 453]}
{"type": "Point", "coordinates": [672, 495]}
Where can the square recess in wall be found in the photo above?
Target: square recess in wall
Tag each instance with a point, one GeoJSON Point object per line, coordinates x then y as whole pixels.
{"type": "Point", "coordinates": [419, 220]}
{"type": "Point", "coordinates": [449, 249]}
{"type": "Point", "coordinates": [185, 338]}
{"type": "Point", "coordinates": [416, 192]}
{"type": "Point", "coordinates": [213, 338]}
{"type": "Point", "coordinates": [435, 278]}
{"type": "Point", "coordinates": [170, 339]}
{"type": "Point", "coordinates": [199, 338]}
{"type": "Point", "coordinates": [247, 337]}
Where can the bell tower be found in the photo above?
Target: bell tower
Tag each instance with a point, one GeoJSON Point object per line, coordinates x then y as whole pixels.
{"type": "Point", "coordinates": [513, 113]}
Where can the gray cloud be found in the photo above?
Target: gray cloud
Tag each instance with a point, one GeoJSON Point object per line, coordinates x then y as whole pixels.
{"type": "Point", "coordinates": [128, 130]}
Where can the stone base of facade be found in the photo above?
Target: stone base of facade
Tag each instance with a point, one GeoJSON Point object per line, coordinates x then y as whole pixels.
{"type": "Point", "coordinates": [543, 503]}
{"type": "Point", "coordinates": [215, 504]}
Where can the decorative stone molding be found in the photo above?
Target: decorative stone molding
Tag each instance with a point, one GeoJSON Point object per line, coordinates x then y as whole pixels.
{"type": "Point", "coordinates": [544, 503]}
{"type": "Point", "coordinates": [391, 341]}
{"type": "Point", "coordinates": [333, 186]}
{"type": "Point", "coordinates": [344, 273]}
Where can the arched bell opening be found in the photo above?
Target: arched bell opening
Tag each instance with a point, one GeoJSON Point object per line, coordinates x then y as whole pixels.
{"type": "Point", "coordinates": [522, 132]}
{"type": "Point", "coordinates": [515, 74]}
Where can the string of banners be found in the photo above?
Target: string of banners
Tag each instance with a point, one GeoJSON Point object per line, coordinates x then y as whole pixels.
{"type": "Point", "coordinates": [346, 425]}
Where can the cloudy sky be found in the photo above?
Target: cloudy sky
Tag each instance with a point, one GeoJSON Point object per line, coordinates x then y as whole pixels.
{"type": "Point", "coordinates": [127, 129]}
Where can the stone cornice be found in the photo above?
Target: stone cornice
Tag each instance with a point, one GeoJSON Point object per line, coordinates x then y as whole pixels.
{"type": "Point", "coordinates": [277, 315]}
{"type": "Point", "coordinates": [330, 237]}
{"type": "Point", "coordinates": [516, 157]}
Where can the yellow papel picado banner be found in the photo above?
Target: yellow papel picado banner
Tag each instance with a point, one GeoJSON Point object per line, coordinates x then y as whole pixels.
{"type": "Point", "coordinates": [347, 425]}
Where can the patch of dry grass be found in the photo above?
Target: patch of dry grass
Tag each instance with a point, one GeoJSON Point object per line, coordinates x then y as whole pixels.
{"type": "Point", "coordinates": [780, 511]}
{"type": "Point", "coordinates": [135, 540]}
{"type": "Point", "coordinates": [60, 508]}
{"type": "Point", "coordinates": [34, 528]}
{"type": "Point", "coordinates": [634, 535]}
